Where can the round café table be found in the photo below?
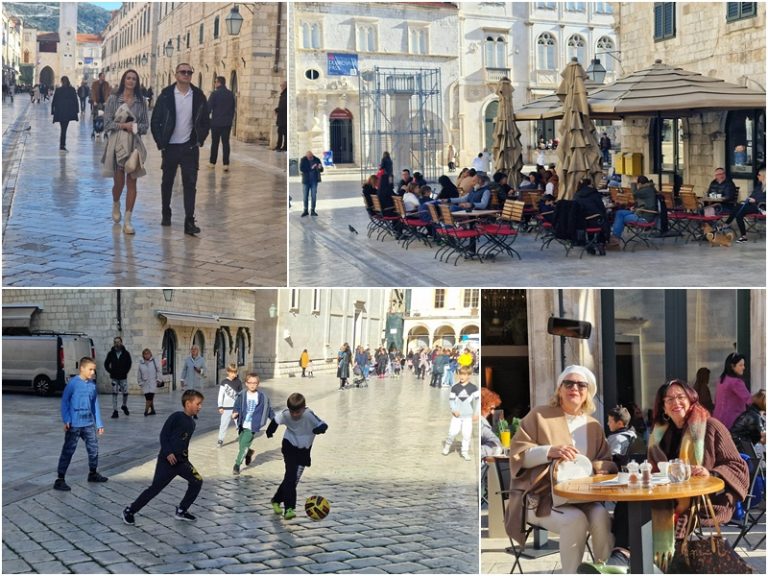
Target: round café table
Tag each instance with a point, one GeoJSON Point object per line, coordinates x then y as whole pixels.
{"type": "Point", "coordinates": [639, 501]}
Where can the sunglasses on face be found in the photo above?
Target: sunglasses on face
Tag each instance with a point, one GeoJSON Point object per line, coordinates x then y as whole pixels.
{"type": "Point", "coordinates": [186, 72]}
{"type": "Point", "coordinates": [569, 384]}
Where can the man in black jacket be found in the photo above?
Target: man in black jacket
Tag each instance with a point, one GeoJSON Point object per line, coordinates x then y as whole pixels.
{"type": "Point", "coordinates": [222, 107]}
{"type": "Point", "coordinates": [282, 118]}
{"type": "Point", "coordinates": [118, 363]}
{"type": "Point", "coordinates": [180, 126]}
{"type": "Point", "coordinates": [723, 187]}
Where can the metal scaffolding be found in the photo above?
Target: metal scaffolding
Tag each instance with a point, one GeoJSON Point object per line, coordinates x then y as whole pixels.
{"type": "Point", "coordinates": [401, 112]}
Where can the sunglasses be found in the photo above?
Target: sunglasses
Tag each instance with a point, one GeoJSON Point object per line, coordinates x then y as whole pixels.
{"type": "Point", "coordinates": [573, 384]}
{"type": "Point", "coordinates": [186, 72]}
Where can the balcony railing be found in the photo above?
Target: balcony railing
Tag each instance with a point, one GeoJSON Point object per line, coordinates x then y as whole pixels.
{"type": "Point", "coordinates": [493, 75]}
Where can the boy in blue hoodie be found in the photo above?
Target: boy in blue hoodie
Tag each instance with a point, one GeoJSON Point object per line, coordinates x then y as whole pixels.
{"type": "Point", "coordinates": [82, 419]}
{"type": "Point", "coordinates": [251, 411]}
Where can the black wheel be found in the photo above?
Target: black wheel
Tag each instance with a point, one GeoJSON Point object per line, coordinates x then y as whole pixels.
{"type": "Point", "coordinates": [42, 386]}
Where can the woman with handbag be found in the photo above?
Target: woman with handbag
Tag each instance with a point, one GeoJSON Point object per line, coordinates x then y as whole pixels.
{"type": "Point", "coordinates": [64, 109]}
{"type": "Point", "coordinates": [150, 378]}
{"type": "Point", "coordinates": [125, 121]}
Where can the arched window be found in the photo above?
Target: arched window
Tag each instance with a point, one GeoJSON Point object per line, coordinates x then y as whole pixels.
{"type": "Point", "coordinates": [26, 56]}
{"type": "Point", "coordinates": [545, 54]}
{"type": "Point", "coordinates": [605, 44]}
{"type": "Point", "coordinates": [577, 48]}
{"type": "Point", "coordinates": [199, 340]}
{"type": "Point", "coordinates": [310, 35]}
{"type": "Point", "coordinates": [495, 52]}
{"type": "Point", "coordinates": [241, 348]}
{"type": "Point", "coordinates": [216, 27]}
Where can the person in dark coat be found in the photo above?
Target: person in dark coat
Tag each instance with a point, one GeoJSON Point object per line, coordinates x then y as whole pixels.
{"type": "Point", "coordinates": [310, 168]}
{"type": "Point", "coordinates": [448, 189]}
{"type": "Point", "coordinates": [342, 372]}
{"type": "Point", "coordinates": [282, 118]}
{"type": "Point", "coordinates": [82, 92]}
{"type": "Point", "coordinates": [750, 206]}
{"type": "Point", "coordinates": [723, 187]}
{"type": "Point", "coordinates": [592, 211]}
{"type": "Point", "coordinates": [222, 107]}
{"type": "Point", "coordinates": [64, 109]}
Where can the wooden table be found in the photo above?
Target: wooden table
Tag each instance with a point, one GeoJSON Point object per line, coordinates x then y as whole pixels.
{"type": "Point", "coordinates": [639, 501]}
{"type": "Point", "coordinates": [478, 213]}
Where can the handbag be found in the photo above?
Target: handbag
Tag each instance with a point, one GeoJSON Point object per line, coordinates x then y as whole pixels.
{"type": "Point", "coordinates": [134, 162]}
{"type": "Point", "coordinates": [708, 555]}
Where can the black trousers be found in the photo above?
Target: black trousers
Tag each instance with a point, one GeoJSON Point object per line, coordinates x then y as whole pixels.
{"type": "Point", "coordinates": [738, 214]}
{"type": "Point", "coordinates": [186, 156]}
{"type": "Point", "coordinates": [223, 135]}
{"type": "Point", "coordinates": [63, 133]}
{"type": "Point", "coordinates": [164, 473]}
{"type": "Point", "coordinates": [282, 140]}
{"type": "Point", "coordinates": [293, 458]}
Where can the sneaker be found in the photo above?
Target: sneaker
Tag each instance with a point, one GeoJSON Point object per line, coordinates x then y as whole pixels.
{"type": "Point", "coordinates": [220, 443]}
{"type": "Point", "coordinates": [277, 509]}
{"type": "Point", "coordinates": [466, 456]}
{"type": "Point", "coordinates": [248, 457]}
{"type": "Point", "coordinates": [115, 414]}
{"type": "Point", "coordinates": [184, 515]}
{"type": "Point", "coordinates": [742, 240]}
{"type": "Point", "coordinates": [125, 410]}
{"type": "Point", "coordinates": [60, 484]}
{"type": "Point", "coordinates": [446, 449]}
{"type": "Point", "coordinates": [128, 517]}
{"type": "Point", "coordinates": [289, 513]}
{"type": "Point", "coordinates": [96, 477]}
{"type": "Point", "coordinates": [236, 470]}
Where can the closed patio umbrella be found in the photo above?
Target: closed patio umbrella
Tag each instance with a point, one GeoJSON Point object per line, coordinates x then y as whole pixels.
{"type": "Point", "coordinates": [507, 150]}
{"type": "Point", "coordinates": [578, 153]}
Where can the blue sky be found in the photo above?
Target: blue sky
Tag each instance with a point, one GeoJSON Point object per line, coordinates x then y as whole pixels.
{"type": "Point", "coordinates": [108, 5]}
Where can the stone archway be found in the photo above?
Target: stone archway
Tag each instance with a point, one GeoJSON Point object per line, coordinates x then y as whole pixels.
{"type": "Point", "coordinates": [341, 136]}
{"type": "Point", "coordinates": [46, 76]}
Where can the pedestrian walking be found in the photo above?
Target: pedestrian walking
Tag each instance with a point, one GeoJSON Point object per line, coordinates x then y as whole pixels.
{"type": "Point", "coordinates": [605, 148]}
{"type": "Point", "coordinates": [180, 126]}
{"type": "Point", "coordinates": [82, 93]}
{"type": "Point", "coordinates": [99, 93]}
{"type": "Point", "coordinates": [82, 419]}
{"type": "Point", "coordinates": [281, 113]}
{"type": "Point", "coordinates": [193, 372]}
{"type": "Point", "coordinates": [310, 167]}
{"type": "Point", "coordinates": [229, 388]}
{"type": "Point", "coordinates": [150, 378]}
{"type": "Point", "coordinates": [463, 400]}
{"type": "Point", "coordinates": [252, 410]}
{"type": "Point", "coordinates": [342, 370]}
{"type": "Point", "coordinates": [173, 460]}
{"type": "Point", "coordinates": [34, 94]}
{"type": "Point", "coordinates": [126, 120]}
{"type": "Point", "coordinates": [118, 363]}
{"type": "Point", "coordinates": [150, 96]}
{"type": "Point", "coordinates": [304, 362]}
{"type": "Point", "coordinates": [301, 427]}
{"type": "Point", "coordinates": [64, 109]}
{"type": "Point", "coordinates": [222, 107]}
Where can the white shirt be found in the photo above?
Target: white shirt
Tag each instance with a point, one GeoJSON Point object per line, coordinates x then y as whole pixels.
{"type": "Point", "coordinates": [411, 202]}
{"type": "Point", "coordinates": [478, 164]}
{"type": "Point", "coordinates": [183, 130]}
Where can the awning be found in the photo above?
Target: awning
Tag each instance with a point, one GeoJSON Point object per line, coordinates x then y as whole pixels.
{"type": "Point", "coordinates": [187, 319]}
{"type": "Point", "coordinates": [19, 315]}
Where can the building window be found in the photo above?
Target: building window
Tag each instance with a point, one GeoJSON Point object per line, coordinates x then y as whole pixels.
{"type": "Point", "coordinates": [199, 340]}
{"type": "Point", "coordinates": [439, 297]}
{"type": "Point", "coordinates": [294, 299]}
{"type": "Point", "coordinates": [418, 40]}
{"type": "Point", "coordinates": [312, 74]}
{"type": "Point", "coordinates": [745, 142]}
{"type": "Point", "coordinates": [663, 20]}
{"type": "Point", "coordinates": [366, 38]}
{"type": "Point", "coordinates": [216, 27]}
{"type": "Point", "coordinates": [315, 300]}
{"type": "Point", "coordinates": [240, 347]}
{"type": "Point", "coordinates": [545, 129]}
{"type": "Point", "coordinates": [574, 6]}
{"type": "Point", "coordinates": [201, 34]}
{"type": "Point", "coordinates": [739, 10]}
{"type": "Point", "coordinates": [471, 297]}
{"type": "Point", "coordinates": [188, 39]}
{"type": "Point", "coordinates": [310, 35]}
{"type": "Point", "coordinates": [546, 52]}
{"type": "Point", "coordinates": [605, 45]}
{"type": "Point", "coordinates": [603, 8]}
{"type": "Point", "coordinates": [545, 5]}
{"type": "Point", "coordinates": [495, 52]}
{"type": "Point", "coordinates": [576, 48]}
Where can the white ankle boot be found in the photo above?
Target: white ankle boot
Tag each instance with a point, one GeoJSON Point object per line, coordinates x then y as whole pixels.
{"type": "Point", "coordinates": [116, 212]}
{"type": "Point", "coordinates": [127, 226]}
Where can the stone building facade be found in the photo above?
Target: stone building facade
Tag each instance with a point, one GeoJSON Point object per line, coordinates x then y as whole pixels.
{"type": "Point", "coordinates": [724, 40]}
{"type": "Point", "coordinates": [140, 36]}
{"type": "Point", "coordinates": [441, 316]}
{"type": "Point", "coordinates": [13, 35]}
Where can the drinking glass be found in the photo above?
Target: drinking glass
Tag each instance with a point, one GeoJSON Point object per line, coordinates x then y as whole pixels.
{"type": "Point", "coordinates": [676, 471]}
{"type": "Point", "coordinates": [686, 471]}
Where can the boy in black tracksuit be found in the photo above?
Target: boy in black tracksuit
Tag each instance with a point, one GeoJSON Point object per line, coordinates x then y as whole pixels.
{"type": "Point", "coordinates": [173, 459]}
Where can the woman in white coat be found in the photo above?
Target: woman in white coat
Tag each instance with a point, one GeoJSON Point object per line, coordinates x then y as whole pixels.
{"type": "Point", "coordinates": [150, 376]}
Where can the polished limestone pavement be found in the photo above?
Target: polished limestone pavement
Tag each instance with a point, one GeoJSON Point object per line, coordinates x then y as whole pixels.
{"type": "Point", "coordinates": [397, 504]}
{"type": "Point", "coordinates": [324, 252]}
{"type": "Point", "coordinates": [58, 229]}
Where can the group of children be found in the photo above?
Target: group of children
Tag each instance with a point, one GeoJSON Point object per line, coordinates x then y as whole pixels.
{"type": "Point", "coordinates": [248, 407]}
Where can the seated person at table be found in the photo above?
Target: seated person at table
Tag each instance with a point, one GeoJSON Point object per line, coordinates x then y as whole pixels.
{"type": "Point", "coordinates": [644, 209]}
{"type": "Point", "coordinates": [747, 430]}
{"type": "Point", "coordinates": [419, 179]}
{"type": "Point", "coordinates": [724, 187]}
{"type": "Point", "coordinates": [750, 206]}
{"type": "Point", "coordinates": [547, 208]}
{"type": "Point", "coordinates": [552, 184]}
{"type": "Point", "coordinates": [447, 188]}
{"type": "Point", "coordinates": [531, 182]}
{"type": "Point", "coordinates": [406, 179]}
{"type": "Point", "coordinates": [593, 211]}
{"type": "Point", "coordinates": [385, 193]}
{"type": "Point", "coordinates": [477, 199]}
{"type": "Point", "coordinates": [411, 197]}
{"type": "Point", "coordinates": [682, 428]}
{"type": "Point", "coordinates": [467, 184]}
{"type": "Point", "coordinates": [502, 187]}
{"type": "Point", "coordinates": [370, 188]}
{"type": "Point", "coordinates": [490, 445]}
{"type": "Point", "coordinates": [621, 436]}
{"type": "Point", "coordinates": [560, 431]}
{"type": "Point", "coordinates": [614, 180]}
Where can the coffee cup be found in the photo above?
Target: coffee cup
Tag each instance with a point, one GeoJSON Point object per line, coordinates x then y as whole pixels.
{"type": "Point", "coordinates": [663, 468]}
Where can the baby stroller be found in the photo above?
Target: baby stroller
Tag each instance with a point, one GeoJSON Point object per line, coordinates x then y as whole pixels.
{"type": "Point", "coordinates": [359, 380]}
{"type": "Point", "coordinates": [98, 122]}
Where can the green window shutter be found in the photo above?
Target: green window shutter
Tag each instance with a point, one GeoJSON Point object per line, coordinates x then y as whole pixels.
{"type": "Point", "coordinates": [658, 20]}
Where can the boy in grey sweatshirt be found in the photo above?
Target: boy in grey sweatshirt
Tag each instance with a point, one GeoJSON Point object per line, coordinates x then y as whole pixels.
{"type": "Point", "coordinates": [464, 401]}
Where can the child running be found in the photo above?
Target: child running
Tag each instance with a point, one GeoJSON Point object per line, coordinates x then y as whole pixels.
{"type": "Point", "coordinates": [173, 460]}
{"type": "Point", "coordinates": [464, 399]}
{"type": "Point", "coordinates": [251, 411]}
{"type": "Point", "coordinates": [301, 426]}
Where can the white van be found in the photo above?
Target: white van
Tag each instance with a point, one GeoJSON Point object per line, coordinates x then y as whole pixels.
{"type": "Point", "coordinates": [43, 362]}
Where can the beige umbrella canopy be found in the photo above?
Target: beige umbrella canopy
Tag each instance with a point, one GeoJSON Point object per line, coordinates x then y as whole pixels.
{"type": "Point", "coordinates": [578, 153]}
{"type": "Point", "coordinates": [507, 150]}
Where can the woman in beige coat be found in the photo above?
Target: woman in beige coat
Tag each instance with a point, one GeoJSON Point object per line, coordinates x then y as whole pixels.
{"type": "Point", "coordinates": [547, 435]}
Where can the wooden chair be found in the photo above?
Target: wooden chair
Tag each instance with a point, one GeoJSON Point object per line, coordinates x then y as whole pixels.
{"type": "Point", "coordinates": [461, 238]}
{"type": "Point", "coordinates": [440, 234]}
{"type": "Point", "coordinates": [503, 233]}
{"type": "Point", "coordinates": [641, 232]}
{"type": "Point", "coordinates": [694, 216]}
{"type": "Point", "coordinates": [414, 228]}
{"type": "Point", "coordinates": [385, 223]}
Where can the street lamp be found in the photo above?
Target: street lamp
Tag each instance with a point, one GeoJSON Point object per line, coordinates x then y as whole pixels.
{"type": "Point", "coordinates": [596, 71]}
{"type": "Point", "coordinates": [168, 294]}
{"type": "Point", "coordinates": [273, 311]}
{"type": "Point", "coordinates": [144, 60]}
{"type": "Point", "coordinates": [168, 50]}
{"type": "Point", "coordinates": [234, 21]}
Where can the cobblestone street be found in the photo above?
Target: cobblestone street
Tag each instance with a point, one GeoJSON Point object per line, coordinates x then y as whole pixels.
{"type": "Point", "coordinates": [398, 505]}
{"type": "Point", "coordinates": [58, 229]}
{"type": "Point", "coordinates": [323, 251]}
